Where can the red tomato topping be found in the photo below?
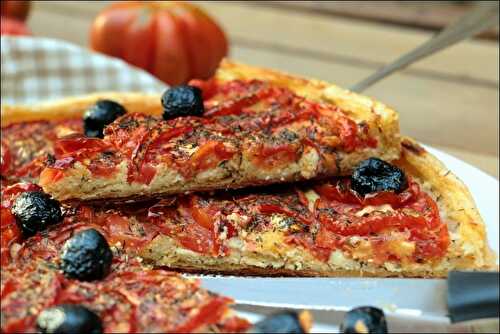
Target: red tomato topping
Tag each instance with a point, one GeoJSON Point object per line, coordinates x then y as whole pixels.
{"type": "Point", "coordinates": [10, 233]}
{"type": "Point", "coordinates": [208, 156]}
{"type": "Point", "coordinates": [306, 241]}
{"type": "Point", "coordinates": [327, 239]}
{"type": "Point", "coordinates": [104, 170]}
{"type": "Point", "coordinates": [50, 175]}
{"type": "Point", "coordinates": [348, 134]}
{"type": "Point", "coordinates": [164, 137]}
{"type": "Point", "coordinates": [234, 96]}
{"type": "Point", "coordinates": [270, 157]}
{"type": "Point", "coordinates": [79, 143]}
{"type": "Point", "coordinates": [146, 150]}
{"type": "Point", "coordinates": [118, 229]}
{"type": "Point", "coordinates": [235, 325]}
{"type": "Point", "coordinates": [11, 192]}
{"type": "Point", "coordinates": [201, 232]}
{"type": "Point", "coordinates": [197, 238]}
{"type": "Point", "coordinates": [209, 313]}
{"type": "Point", "coordinates": [4, 159]}
{"type": "Point", "coordinates": [208, 87]}
{"type": "Point", "coordinates": [412, 211]}
{"type": "Point", "coordinates": [201, 215]}
{"type": "Point", "coordinates": [9, 286]}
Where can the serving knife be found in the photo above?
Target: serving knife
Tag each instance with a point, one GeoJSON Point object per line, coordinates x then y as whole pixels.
{"type": "Point", "coordinates": [484, 16]}
{"type": "Point", "coordinates": [468, 298]}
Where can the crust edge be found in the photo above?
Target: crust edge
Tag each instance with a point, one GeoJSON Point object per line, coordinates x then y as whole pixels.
{"type": "Point", "coordinates": [73, 107]}
{"type": "Point", "coordinates": [455, 199]}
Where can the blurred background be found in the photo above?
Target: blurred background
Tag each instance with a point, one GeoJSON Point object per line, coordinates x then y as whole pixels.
{"type": "Point", "coordinates": [449, 101]}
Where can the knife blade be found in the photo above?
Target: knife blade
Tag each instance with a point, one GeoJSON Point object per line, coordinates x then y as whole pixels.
{"type": "Point", "coordinates": [412, 297]}
{"type": "Point", "coordinates": [463, 296]}
{"type": "Point", "coordinates": [467, 302]}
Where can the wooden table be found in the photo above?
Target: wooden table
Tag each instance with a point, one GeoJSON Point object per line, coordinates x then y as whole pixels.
{"type": "Point", "coordinates": [449, 101]}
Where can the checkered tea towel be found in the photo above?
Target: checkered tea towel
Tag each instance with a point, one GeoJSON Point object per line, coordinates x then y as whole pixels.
{"type": "Point", "coordinates": [40, 69]}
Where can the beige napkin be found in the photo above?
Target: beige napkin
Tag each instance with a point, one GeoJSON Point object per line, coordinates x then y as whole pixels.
{"type": "Point", "coordinates": [39, 69]}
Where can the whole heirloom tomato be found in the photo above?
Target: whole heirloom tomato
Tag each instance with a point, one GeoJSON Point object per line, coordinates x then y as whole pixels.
{"type": "Point", "coordinates": [18, 10]}
{"type": "Point", "coordinates": [10, 26]}
{"type": "Point", "coordinates": [175, 41]}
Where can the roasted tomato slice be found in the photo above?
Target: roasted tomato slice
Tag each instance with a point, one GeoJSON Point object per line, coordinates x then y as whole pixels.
{"type": "Point", "coordinates": [197, 238]}
{"type": "Point", "coordinates": [210, 155]}
{"type": "Point", "coordinates": [270, 157]}
{"type": "Point", "coordinates": [5, 159]}
{"type": "Point", "coordinates": [200, 214]}
{"type": "Point", "coordinates": [119, 230]}
{"type": "Point", "coordinates": [10, 233]}
{"type": "Point", "coordinates": [77, 142]}
{"type": "Point", "coordinates": [208, 87]}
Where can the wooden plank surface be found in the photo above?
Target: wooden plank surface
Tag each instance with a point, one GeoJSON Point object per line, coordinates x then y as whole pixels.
{"type": "Point", "coordinates": [430, 15]}
{"type": "Point", "coordinates": [314, 36]}
{"type": "Point", "coordinates": [449, 101]}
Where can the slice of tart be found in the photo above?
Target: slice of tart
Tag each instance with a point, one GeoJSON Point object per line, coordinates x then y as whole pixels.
{"type": "Point", "coordinates": [246, 126]}
{"type": "Point", "coordinates": [422, 223]}
{"type": "Point", "coordinates": [29, 133]}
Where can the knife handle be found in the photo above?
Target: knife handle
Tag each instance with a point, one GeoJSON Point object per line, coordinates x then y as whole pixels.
{"type": "Point", "coordinates": [473, 295]}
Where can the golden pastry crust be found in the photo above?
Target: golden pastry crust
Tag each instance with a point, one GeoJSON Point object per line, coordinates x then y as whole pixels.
{"type": "Point", "coordinates": [469, 248]}
{"type": "Point", "coordinates": [74, 107]}
{"type": "Point", "coordinates": [336, 130]}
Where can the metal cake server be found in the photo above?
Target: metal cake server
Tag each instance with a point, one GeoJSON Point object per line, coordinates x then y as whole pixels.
{"type": "Point", "coordinates": [484, 16]}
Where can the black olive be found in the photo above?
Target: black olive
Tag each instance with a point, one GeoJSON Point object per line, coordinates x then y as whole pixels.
{"type": "Point", "coordinates": [364, 319]}
{"type": "Point", "coordinates": [283, 322]}
{"type": "Point", "coordinates": [86, 256]}
{"type": "Point", "coordinates": [375, 175]}
{"type": "Point", "coordinates": [35, 211]}
{"type": "Point", "coordinates": [182, 101]}
{"type": "Point", "coordinates": [102, 113]}
{"type": "Point", "coordinates": [69, 318]}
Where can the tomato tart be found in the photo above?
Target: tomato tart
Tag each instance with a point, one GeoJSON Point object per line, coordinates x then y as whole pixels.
{"type": "Point", "coordinates": [390, 208]}
{"type": "Point", "coordinates": [244, 127]}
